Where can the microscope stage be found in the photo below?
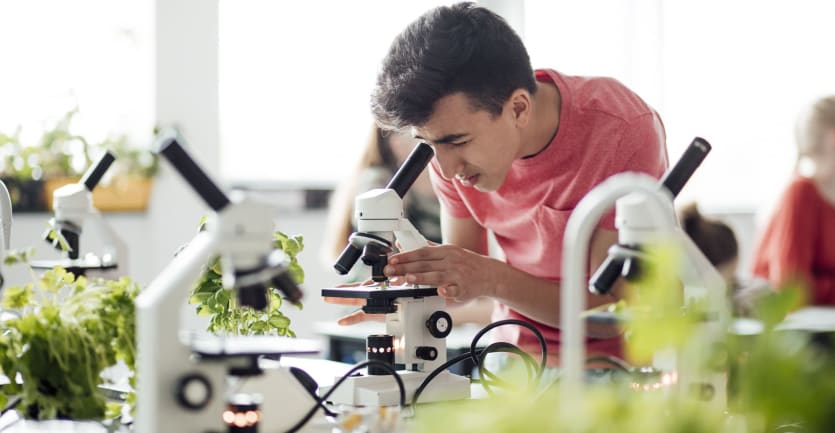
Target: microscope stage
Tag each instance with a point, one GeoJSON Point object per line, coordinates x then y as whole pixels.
{"type": "Point", "coordinates": [375, 293]}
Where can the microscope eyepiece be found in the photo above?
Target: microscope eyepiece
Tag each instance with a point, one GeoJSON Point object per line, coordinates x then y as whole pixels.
{"type": "Point", "coordinates": [411, 169]}
{"type": "Point", "coordinates": [675, 178]}
{"type": "Point", "coordinates": [96, 171]}
{"type": "Point", "coordinates": [606, 275]}
{"type": "Point", "coordinates": [171, 149]}
{"type": "Point", "coordinates": [254, 297]}
{"type": "Point", "coordinates": [285, 284]}
{"type": "Point", "coordinates": [347, 259]}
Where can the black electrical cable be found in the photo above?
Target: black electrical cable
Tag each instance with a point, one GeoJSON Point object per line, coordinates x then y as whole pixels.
{"type": "Point", "coordinates": [517, 322]}
{"type": "Point", "coordinates": [354, 369]}
{"type": "Point", "coordinates": [479, 355]}
{"type": "Point", "coordinates": [488, 376]}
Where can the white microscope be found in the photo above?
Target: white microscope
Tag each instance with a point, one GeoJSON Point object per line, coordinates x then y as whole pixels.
{"type": "Point", "coordinates": [5, 225]}
{"type": "Point", "coordinates": [74, 215]}
{"type": "Point", "coordinates": [416, 323]}
{"type": "Point", "coordinates": [644, 216]}
{"type": "Point", "coordinates": [209, 383]}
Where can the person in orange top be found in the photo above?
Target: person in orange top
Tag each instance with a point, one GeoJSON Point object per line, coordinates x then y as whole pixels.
{"type": "Point", "coordinates": [798, 244]}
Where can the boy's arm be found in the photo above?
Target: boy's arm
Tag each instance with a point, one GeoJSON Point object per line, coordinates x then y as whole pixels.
{"type": "Point", "coordinates": [462, 271]}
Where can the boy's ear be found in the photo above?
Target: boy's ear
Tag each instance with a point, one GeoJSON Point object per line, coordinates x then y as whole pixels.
{"type": "Point", "coordinates": [520, 106]}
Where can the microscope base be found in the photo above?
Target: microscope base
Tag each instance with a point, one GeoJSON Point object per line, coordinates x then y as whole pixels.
{"type": "Point", "coordinates": [383, 391]}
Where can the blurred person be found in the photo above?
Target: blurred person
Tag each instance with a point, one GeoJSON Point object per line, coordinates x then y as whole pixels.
{"type": "Point", "coordinates": [718, 243]}
{"type": "Point", "coordinates": [798, 243]}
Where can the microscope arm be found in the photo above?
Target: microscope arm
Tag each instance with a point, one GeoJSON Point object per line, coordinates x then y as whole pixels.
{"type": "Point", "coordinates": [408, 237]}
{"type": "Point", "coordinates": [113, 243]}
{"type": "Point", "coordinates": [158, 310]}
{"type": "Point", "coordinates": [578, 232]}
{"type": "Point", "coordinates": [5, 217]}
{"type": "Point", "coordinates": [5, 225]}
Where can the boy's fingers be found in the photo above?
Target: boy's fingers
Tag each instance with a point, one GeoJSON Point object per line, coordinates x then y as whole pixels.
{"type": "Point", "coordinates": [358, 317]}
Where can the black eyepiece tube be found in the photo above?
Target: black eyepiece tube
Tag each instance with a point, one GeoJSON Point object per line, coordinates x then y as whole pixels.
{"type": "Point", "coordinates": [285, 284]}
{"type": "Point", "coordinates": [607, 274]}
{"type": "Point", "coordinates": [410, 169]}
{"type": "Point", "coordinates": [347, 259]}
{"type": "Point", "coordinates": [675, 178]}
{"type": "Point", "coordinates": [192, 173]}
{"type": "Point", "coordinates": [96, 171]}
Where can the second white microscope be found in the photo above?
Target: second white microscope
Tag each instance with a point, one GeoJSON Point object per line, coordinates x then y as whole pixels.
{"type": "Point", "coordinates": [416, 323]}
{"type": "Point", "coordinates": [75, 214]}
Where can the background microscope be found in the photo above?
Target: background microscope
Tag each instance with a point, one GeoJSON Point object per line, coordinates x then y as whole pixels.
{"type": "Point", "coordinates": [644, 216]}
{"type": "Point", "coordinates": [74, 215]}
{"type": "Point", "coordinates": [416, 323]}
{"type": "Point", "coordinates": [212, 383]}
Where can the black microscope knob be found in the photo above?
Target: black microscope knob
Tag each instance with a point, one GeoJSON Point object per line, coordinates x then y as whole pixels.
{"type": "Point", "coordinates": [439, 324]}
{"type": "Point", "coordinates": [427, 353]}
{"type": "Point", "coordinates": [194, 391]}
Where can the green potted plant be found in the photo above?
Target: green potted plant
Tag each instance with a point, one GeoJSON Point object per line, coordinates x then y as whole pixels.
{"type": "Point", "coordinates": [65, 331]}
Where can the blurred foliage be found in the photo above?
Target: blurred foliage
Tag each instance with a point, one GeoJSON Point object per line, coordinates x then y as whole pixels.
{"type": "Point", "coordinates": [779, 380]}
{"type": "Point", "coordinates": [220, 304]}
{"type": "Point", "coordinates": [62, 153]}
{"type": "Point", "coordinates": [64, 333]}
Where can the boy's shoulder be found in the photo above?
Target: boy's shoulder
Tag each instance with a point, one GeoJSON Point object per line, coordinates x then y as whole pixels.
{"type": "Point", "coordinates": [604, 95]}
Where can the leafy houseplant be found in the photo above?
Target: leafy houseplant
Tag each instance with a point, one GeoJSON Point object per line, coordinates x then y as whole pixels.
{"type": "Point", "coordinates": [32, 172]}
{"type": "Point", "coordinates": [222, 306]}
{"type": "Point", "coordinates": [67, 330]}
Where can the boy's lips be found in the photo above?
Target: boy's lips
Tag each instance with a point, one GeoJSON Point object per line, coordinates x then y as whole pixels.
{"type": "Point", "coordinates": [468, 180]}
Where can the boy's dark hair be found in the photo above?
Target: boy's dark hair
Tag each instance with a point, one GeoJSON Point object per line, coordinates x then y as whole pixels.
{"type": "Point", "coordinates": [459, 48]}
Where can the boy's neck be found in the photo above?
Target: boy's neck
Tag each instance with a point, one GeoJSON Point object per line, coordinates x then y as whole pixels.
{"type": "Point", "coordinates": [546, 119]}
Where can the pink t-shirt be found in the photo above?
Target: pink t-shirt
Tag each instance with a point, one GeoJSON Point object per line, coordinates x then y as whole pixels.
{"type": "Point", "coordinates": [604, 129]}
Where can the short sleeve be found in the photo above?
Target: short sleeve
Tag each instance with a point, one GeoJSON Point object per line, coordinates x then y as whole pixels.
{"type": "Point", "coordinates": [447, 194]}
{"type": "Point", "coordinates": [642, 148]}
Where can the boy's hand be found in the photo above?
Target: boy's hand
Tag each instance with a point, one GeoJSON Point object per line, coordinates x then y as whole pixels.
{"type": "Point", "coordinates": [459, 274]}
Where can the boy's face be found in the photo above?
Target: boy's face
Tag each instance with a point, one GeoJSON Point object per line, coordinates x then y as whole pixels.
{"type": "Point", "coordinates": [473, 147]}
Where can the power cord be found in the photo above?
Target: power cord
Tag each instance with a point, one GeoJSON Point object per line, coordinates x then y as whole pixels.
{"type": "Point", "coordinates": [479, 356]}
{"type": "Point", "coordinates": [320, 401]}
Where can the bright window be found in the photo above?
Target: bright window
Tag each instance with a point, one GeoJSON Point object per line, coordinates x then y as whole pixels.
{"type": "Point", "coordinates": [736, 73]}
{"type": "Point", "coordinates": [96, 55]}
{"type": "Point", "coordinates": [295, 83]}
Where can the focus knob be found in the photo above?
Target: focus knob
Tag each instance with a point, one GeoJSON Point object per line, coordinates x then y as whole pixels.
{"type": "Point", "coordinates": [439, 324]}
{"type": "Point", "coordinates": [194, 392]}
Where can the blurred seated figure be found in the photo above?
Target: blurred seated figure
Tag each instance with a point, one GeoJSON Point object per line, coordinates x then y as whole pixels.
{"type": "Point", "coordinates": [798, 243]}
{"type": "Point", "coordinates": [718, 243]}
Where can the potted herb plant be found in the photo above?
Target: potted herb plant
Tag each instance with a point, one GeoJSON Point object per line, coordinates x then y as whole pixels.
{"type": "Point", "coordinates": [65, 331]}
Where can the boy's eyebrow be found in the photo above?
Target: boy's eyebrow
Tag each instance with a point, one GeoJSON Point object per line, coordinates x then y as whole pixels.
{"type": "Point", "coordinates": [449, 138]}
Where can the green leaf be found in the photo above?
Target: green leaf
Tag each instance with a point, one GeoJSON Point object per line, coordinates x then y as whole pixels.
{"type": "Point", "coordinates": [220, 304]}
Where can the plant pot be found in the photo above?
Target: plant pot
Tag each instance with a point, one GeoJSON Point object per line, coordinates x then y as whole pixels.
{"type": "Point", "coordinates": [123, 194]}
{"type": "Point", "coordinates": [26, 195]}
